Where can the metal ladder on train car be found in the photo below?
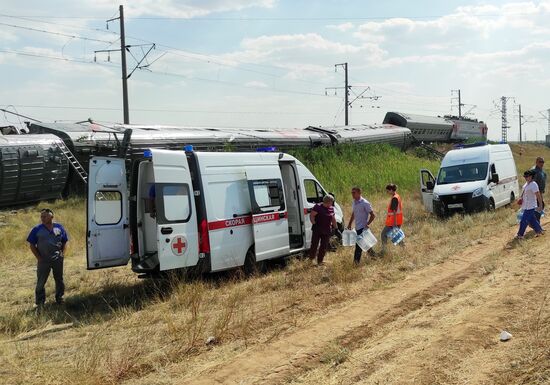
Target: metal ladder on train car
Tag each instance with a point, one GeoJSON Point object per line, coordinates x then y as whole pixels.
{"type": "Point", "coordinates": [75, 164]}
{"type": "Point", "coordinates": [432, 150]}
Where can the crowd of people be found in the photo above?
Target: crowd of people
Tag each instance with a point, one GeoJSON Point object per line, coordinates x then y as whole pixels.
{"type": "Point", "coordinates": [324, 222]}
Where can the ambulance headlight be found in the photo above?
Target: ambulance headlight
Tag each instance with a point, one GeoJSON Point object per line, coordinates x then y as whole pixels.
{"type": "Point", "coordinates": [477, 192]}
{"type": "Point", "coordinates": [436, 197]}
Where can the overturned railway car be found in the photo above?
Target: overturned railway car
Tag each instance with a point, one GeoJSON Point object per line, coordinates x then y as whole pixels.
{"type": "Point", "coordinates": [437, 128]}
{"type": "Point", "coordinates": [32, 168]}
{"type": "Point", "coordinates": [88, 139]}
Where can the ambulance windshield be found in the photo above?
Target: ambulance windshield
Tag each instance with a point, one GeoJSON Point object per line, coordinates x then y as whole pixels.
{"type": "Point", "coordinates": [462, 173]}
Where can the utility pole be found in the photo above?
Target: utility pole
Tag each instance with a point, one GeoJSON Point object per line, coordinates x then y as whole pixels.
{"type": "Point", "coordinates": [548, 117]}
{"type": "Point", "coordinates": [346, 91]}
{"type": "Point", "coordinates": [123, 49]}
{"type": "Point", "coordinates": [460, 104]}
{"type": "Point", "coordinates": [347, 88]}
{"type": "Point", "coordinates": [123, 64]}
{"type": "Point", "coordinates": [503, 101]}
{"type": "Point", "coordinates": [520, 122]}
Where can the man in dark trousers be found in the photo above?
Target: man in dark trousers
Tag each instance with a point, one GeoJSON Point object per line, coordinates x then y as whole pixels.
{"type": "Point", "coordinates": [540, 178]}
{"type": "Point", "coordinates": [363, 214]}
{"type": "Point", "coordinates": [48, 241]}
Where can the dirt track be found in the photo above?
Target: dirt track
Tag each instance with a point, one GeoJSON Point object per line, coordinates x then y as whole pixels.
{"type": "Point", "coordinates": [439, 325]}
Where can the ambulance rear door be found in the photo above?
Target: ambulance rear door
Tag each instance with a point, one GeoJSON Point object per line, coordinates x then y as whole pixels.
{"type": "Point", "coordinates": [177, 230]}
{"type": "Point", "coordinates": [108, 234]}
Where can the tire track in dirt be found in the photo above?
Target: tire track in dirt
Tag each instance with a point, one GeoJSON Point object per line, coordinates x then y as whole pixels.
{"type": "Point", "coordinates": [455, 340]}
{"type": "Point", "coordinates": [354, 322]}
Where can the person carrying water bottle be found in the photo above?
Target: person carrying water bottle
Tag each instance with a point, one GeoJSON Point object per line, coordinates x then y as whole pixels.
{"type": "Point", "coordinates": [394, 217]}
{"type": "Point", "coordinates": [531, 202]}
{"type": "Point", "coordinates": [363, 214]}
{"type": "Point", "coordinates": [323, 220]}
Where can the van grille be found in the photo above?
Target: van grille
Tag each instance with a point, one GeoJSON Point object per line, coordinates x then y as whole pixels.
{"type": "Point", "coordinates": [456, 198]}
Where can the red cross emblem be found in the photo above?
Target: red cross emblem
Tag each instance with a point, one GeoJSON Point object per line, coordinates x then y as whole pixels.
{"type": "Point", "coordinates": [456, 188]}
{"type": "Point", "coordinates": [179, 245]}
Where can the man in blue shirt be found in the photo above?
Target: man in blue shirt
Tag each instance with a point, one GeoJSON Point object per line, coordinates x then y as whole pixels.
{"type": "Point", "coordinates": [540, 178]}
{"type": "Point", "coordinates": [47, 242]}
{"type": "Point", "coordinates": [363, 214]}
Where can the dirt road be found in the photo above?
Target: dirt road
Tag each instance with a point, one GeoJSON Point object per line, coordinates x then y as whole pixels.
{"type": "Point", "coordinates": [439, 325]}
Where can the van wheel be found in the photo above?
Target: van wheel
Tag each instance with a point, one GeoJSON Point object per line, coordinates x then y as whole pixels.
{"type": "Point", "coordinates": [512, 197]}
{"type": "Point", "coordinates": [249, 266]}
{"type": "Point", "coordinates": [491, 205]}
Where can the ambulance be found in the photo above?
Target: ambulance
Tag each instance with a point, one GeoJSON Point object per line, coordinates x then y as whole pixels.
{"type": "Point", "coordinates": [472, 178]}
{"type": "Point", "coordinates": [200, 211]}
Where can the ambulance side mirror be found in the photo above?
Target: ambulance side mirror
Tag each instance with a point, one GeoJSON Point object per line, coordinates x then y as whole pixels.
{"type": "Point", "coordinates": [494, 178]}
{"type": "Point", "coordinates": [430, 185]}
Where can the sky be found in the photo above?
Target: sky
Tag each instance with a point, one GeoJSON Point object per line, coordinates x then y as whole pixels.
{"type": "Point", "coordinates": [271, 63]}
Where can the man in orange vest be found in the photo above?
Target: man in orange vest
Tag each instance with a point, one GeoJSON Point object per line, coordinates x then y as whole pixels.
{"type": "Point", "coordinates": [394, 217]}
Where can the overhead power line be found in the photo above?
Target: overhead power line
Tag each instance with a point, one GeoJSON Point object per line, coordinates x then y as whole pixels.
{"type": "Point", "coordinates": [172, 74]}
{"type": "Point", "coordinates": [260, 19]}
{"type": "Point", "coordinates": [221, 112]}
{"type": "Point", "coordinates": [56, 33]}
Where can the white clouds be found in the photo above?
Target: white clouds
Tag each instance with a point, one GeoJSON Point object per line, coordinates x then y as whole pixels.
{"type": "Point", "coordinates": [256, 84]}
{"type": "Point", "coordinates": [344, 27]}
{"type": "Point", "coordinates": [465, 23]}
{"type": "Point", "coordinates": [181, 8]}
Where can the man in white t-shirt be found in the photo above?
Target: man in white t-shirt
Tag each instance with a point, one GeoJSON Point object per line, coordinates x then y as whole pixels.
{"type": "Point", "coordinates": [531, 202]}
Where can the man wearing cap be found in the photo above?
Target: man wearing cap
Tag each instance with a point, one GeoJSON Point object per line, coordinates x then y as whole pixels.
{"type": "Point", "coordinates": [48, 241]}
{"type": "Point", "coordinates": [540, 178]}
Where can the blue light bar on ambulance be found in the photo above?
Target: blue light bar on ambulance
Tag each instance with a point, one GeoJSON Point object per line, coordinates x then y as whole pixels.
{"type": "Point", "coordinates": [188, 148]}
{"type": "Point", "coordinates": [147, 154]}
{"type": "Point", "coordinates": [266, 149]}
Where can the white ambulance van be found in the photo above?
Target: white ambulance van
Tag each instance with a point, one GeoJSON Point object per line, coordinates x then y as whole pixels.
{"type": "Point", "coordinates": [471, 178]}
{"type": "Point", "coordinates": [203, 211]}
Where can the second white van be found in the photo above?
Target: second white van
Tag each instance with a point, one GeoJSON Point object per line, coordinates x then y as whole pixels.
{"type": "Point", "coordinates": [471, 178]}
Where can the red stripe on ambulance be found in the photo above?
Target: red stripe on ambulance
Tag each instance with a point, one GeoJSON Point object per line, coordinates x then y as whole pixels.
{"type": "Point", "coordinates": [262, 218]}
{"type": "Point", "coordinates": [233, 222]}
{"type": "Point", "coordinates": [244, 221]}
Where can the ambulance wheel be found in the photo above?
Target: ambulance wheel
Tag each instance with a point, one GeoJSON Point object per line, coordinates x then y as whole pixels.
{"type": "Point", "coordinates": [512, 197]}
{"type": "Point", "coordinates": [249, 266]}
{"type": "Point", "coordinates": [491, 206]}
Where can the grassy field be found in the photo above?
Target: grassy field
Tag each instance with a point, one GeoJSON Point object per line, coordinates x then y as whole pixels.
{"type": "Point", "coordinates": [116, 328]}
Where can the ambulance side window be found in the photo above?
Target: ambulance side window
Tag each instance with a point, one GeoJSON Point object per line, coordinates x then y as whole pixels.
{"type": "Point", "coordinates": [173, 203]}
{"type": "Point", "coordinates": [314, 192]}
{"type": "Point", "coordinates": [267, 195]}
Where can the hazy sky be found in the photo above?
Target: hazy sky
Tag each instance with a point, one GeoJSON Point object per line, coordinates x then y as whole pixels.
{"type": "Point", "coordinates": [267, 63]}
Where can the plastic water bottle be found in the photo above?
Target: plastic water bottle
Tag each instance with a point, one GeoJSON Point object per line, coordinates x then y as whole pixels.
{"type": "Point", "coordinates": [519, 215]}
{"type": "Point", "coordinates": [542, 214]}
{"type": "Point", "coordinates": [396, 235]}
{"type": "Point", "coordinates": [349, 237]}
{"type": "Point", "coordinates": [366, 240]}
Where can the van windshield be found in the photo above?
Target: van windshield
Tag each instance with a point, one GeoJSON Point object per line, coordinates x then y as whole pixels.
{"type": "Point", "coordinates": [462, 173]}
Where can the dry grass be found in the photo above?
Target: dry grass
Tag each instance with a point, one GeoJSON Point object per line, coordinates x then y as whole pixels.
{"type": "Point", "coordinates": [128, 330]}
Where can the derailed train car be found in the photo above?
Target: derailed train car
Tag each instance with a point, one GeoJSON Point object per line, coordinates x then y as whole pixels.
{"type": "Point", "coordinates": [88, 139]}
{"type": "Point", "coordinates": [32, 168]}
{"type": "Point", "coordinates": [437, 128]}
{"type": "Point", "coordinates": [50, 173]}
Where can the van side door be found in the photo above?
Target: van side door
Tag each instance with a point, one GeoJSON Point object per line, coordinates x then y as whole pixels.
{"type": "Point", "coordinates": [177, 230]}
{"type": "Point", "coordinates": [269, 215]}
{"type": "Point", "coordinates": [427, 184]}
{"type": "Point", "coordinates": [108, 233]}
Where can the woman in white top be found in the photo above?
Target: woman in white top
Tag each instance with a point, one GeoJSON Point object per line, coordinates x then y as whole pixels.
{"type": "Point", "coordinates": [530, 201]}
